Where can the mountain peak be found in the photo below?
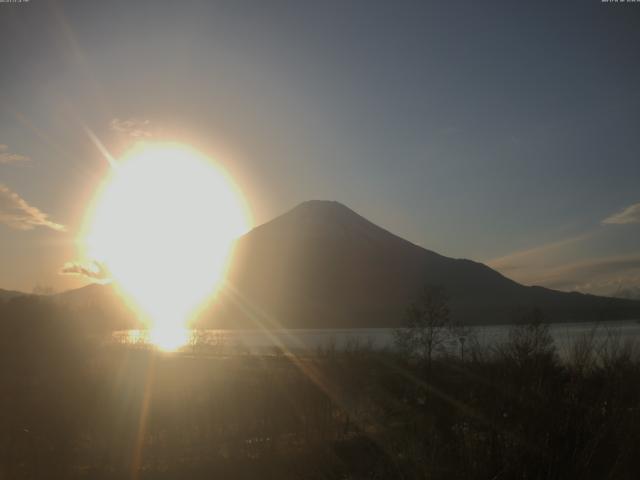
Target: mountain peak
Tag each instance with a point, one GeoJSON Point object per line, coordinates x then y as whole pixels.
{"type": "Point", "coordinates": [321, 218]}
{"type": "Point", "coordinates": [326, 224]}
{"type": "Point", "coordinates": [322, 205]}
{"type": "Point", "coordinates": [323, 209]}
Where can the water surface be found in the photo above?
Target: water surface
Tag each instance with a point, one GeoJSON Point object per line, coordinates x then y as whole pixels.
{"type": "Point", "coordinates": [297, 340]}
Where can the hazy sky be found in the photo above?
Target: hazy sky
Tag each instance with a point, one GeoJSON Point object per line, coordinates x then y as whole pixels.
{"type": "Point", "coordinates": [506, 132]}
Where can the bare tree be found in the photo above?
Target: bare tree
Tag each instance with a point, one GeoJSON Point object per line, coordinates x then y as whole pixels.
{"type": "Point", "coordinates": [530, 341]}
{"type": "Point", "coordinates": [427, 322]}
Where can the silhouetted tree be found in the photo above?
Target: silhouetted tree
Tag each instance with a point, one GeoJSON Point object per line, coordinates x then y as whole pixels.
{"type": "Point", "coordinates": [427, 322]}
{"type": "Point", "coordinates": [530, 339]}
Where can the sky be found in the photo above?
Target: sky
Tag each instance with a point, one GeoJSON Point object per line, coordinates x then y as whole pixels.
{"type": "Point", "coordinates": [505, 132]}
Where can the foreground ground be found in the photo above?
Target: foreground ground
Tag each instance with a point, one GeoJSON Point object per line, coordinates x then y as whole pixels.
{"type": "Point", "coordinates": [71, 407]}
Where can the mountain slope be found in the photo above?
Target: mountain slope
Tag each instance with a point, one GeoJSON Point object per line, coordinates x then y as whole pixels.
{"type": "Point", "coordinates": [323, 265]}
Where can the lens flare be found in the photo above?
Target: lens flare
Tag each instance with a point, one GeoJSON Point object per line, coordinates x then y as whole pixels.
{"type": "Point", "coordinates": [163, 223]}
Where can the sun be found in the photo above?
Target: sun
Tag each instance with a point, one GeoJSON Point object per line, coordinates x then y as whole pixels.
{"type": "Point", "coordinates": [163, 223]}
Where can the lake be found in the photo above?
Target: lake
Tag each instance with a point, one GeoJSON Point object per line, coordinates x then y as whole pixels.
{"type": "Point", "coordinates": [300, 340]}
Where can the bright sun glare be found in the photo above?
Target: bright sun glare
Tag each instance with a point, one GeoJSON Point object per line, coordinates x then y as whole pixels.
{"type": "Point", "coordinates": [163, 224]}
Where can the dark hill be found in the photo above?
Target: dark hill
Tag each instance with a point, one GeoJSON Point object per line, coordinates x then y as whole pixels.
{"type": "Point", "coordinates": [9, 294]}
{"type": "Point", "coordinates": [100, 305]}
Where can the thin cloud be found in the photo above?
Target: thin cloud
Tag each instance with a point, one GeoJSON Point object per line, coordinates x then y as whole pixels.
{"type": "Point", "coordinates": [612, 276]}
{"type": "Point", "coordinates": [632, 292]}
{"type": "Point", "coordinates": [549, 265]}
{"type": "Point", "coordinates": [523, 258]}
{"type": "Point", "coordinates": [615, 276]}
{"type": "Point", "coordinates": [16, 213]}
{"type": "Point", "coordinates": [615, 268]}
{"type": "Point", "coordinates": [93, 270]}
{"type": "Point", "coordinates": [631, 214]}
{"type": "Point", "coordinates": [132, 127]}
{"type": "Point", "coordinates": [7, 157]}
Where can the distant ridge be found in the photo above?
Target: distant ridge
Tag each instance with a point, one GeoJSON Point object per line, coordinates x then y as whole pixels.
{"type": "Point", "coordinates": [8, 294]}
